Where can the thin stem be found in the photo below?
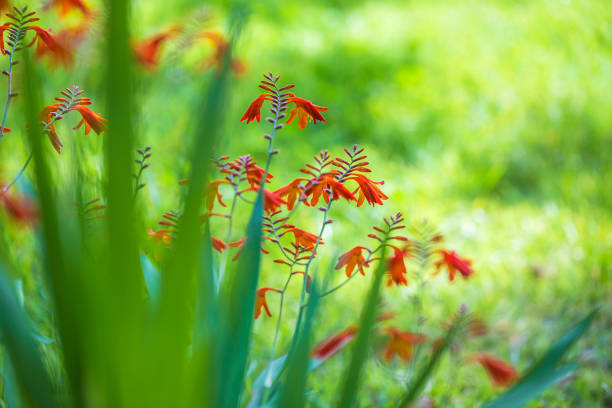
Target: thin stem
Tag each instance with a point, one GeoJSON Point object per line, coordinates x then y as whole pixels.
{"type": "Point", "coordinates": [25, 165]}
{"type": "Point", "coordinates": [9, 95]}
{"type": "Point", "coordinates": [228, 236]}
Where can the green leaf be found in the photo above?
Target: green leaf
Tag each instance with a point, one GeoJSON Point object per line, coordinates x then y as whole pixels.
{"type": "Point", "coordinates": [151, 278]}
{"type": "Point", "coordinates": [30, 372]}
{"type": "Point", "coordinates": [545, 372]}
{"type": "Point", "coordinates": [352, 378]}
{"type": "Point", "coordinates": [293, 388]}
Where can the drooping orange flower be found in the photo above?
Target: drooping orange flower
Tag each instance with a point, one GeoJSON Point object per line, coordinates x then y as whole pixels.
{"type": "Point", "coordinates": [368, 190]}
{"type": "Point", "coordinates": [213, 192]}
{"type": "Point", "coordinates": [148, 50]}
{"type": "Point", "coordinates": [66, 6]}
{"type": "Point", "coordinates": [19, 207]}
{"type": "Point", "coordinates": [69, 39]}
{"type": "Point", "coordinates": [304, 239]}
{"type": "Point", "coordinates": [292, 191]}
{"type": "Point", "coordinates": [217, 244]}
{"type": "Point", "coordinates": [44, 38]}
{"type": "Point", "coordinates": [351, 260]}
{"type": "Point", "coordinates": [237, 244]}
{"type": "Point", "coordinates": [453, 263]}
{"type": "Point", "coordinates": [304, 110]}
{"type": "Point", "coordinates": [260, 301]}
{"type": "Point", "coordinates": [401, 343]}
{"type": "Point", "coordinates": [161, 235]}
{"type": "Point", "coordinates": [322, 186]}
{"type": "Point", "coordinates": [253, 112]}
{"type": "Point", "coordinates": [221, 46]}
{"type": "Point", "coordinates": [333, 344]}
{"type": "Point", "coordinates": [255, 173]}
{"type": "Point", "coordinates": [397, 269]}
{"type": "Point", "coordinates": [272, 201]}
{"type": "Point", "coordinates": [91, 120]}
{"type": "Point", "coordinates": [502, 373]}
{"type": "Point", "coordinates": [6, 130]}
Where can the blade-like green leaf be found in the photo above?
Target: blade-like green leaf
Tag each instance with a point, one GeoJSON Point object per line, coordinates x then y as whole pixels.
{"type": "Point", "coordinates": [293, 388]}
{"type": "Point", "coordinates": [426, 371]}
{"type": "Point", "coordinates": [31, 375]}
{"type": "Point", "coordinates": [351, 381]}
{"type": "Point", "coordinates": [545, 372]}
{"type": "Point", "coordinates": [151, 278]}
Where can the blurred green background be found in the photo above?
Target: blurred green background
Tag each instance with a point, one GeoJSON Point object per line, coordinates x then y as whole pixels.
{"type": "Point", "coordinates": [489, 119]}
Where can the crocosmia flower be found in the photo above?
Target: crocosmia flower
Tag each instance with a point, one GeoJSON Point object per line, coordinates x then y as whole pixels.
{"type": "Point", "coordinates": [333, 344]}
{"type": "Point", "coordinates": [397, 268]}
{"type": "Point", "coordinates": [19, 207]}
{"type": "Point", "coordinates": [304, 239]}
{"type": "Point", "coordinates": [305, 110]}
{"type": "Point", "coordinates": [91, 120]}
{"type": "Point", "coordinates": [213, 192]}
{"type": "Point", "coordinates": [453, 263]}
{"type": "Point", "coordinates": [502, 373]}
{"type": "Point", "coordinates": [293, 191]}
{"type": "Point", "coordinates": [253, 112]}
{"type": "Point", "coordinates": [148, 51]}
{"type": "Point", "coordinates": [351, 260]}
{"type": "Point", "coordinates": [260, 301]}
{"type": "Point", "coordinates": [325, 186]}
{"type": "Point", "coordinates": [401, 343]}
{"type": "Point", "coordinates": [368, 190]}
{"type": "Point", "coordinates": [217, 244]}
{"type": "Point", "coordinates": [272, 201]}
{"type": "Point", "coordinates": [66, 6]}
{"type": "Point", "coordinates": [44, 38]}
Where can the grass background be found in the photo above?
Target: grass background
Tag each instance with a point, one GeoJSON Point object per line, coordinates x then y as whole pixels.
{"type": "Point", "coordinates": [488, 119]}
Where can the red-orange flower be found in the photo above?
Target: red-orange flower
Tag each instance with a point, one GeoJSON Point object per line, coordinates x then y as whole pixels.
{"type": "Point", "coordinates": [66, 6]}
{"type": "Point", "coordinates": [333, 344]}
{"type": "Point", "coordinates": [272, 201]}
{"type": "Point", "coordinates": [19, 207]}
{"type": "Point", "coordinates": [148, 50]}
{"type": "Point", "coordinates": [44, 37]}
{"type": "Point", "coordinates": [323, 185]}
{"type": "Point", "coordinates": [217, 244]}
{"type": "Point", "coordinates": [260, 301]}
{"type": "Point", "coordinates": [91, 120]}
{"type": "Point", "coordinates": [253, 112]}
{"type": "Point", "coordinates": [502, 373]}
{"type": "Point", "coordinates": [255, 173]}
{"type": "Point", "coordinates": [304, 239]}
{"type": "Point", "coordinates": [401, 343]}
{"type": "Point", "coordinates": [161, 235]}
{"type": "Point", "coordinates": [304, 110]}
{"type": "Point", "coordinates": [213, 192]}
{"type": "Point", "coordinates": [397, 268]}
{"type": "Point", "coordinates": [292, 191]}
{"type": "Point", "coordinates": [368, 190]}
{"type": "Point", "coordinates": [221, 46]}
{"type": "Point", "coordinates": [352, 259]}
{"type": "Point", "coordinates": [69, 39]}
{"type": "Point", "coordinates": [453, 263]}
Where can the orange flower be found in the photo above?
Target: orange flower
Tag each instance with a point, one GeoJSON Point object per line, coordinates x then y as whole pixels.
{"type": "Point", "coordinates": [217, 244]}
{"type": "Point", "coordinates": [453, 263]}
{"type": "Point", "coordinates": [260, 301]}
{"type": "Point", "coordinates": [66, 6]}
{"type": "Point", "coordinates": [304, 110]}
{"type": "Point", "coordinates": [69, 39]}
{"type": "Point", "coordinates": [253, 112]}
{"type": "Point", "coordinates": [221, 46]}
{"type": "Point", "coordinates": [255, 173]}
{"type": "Point", "coordinates": [397, 268]}
{"type": "Point", "coordinates": [44, 38]}
{"type": "Point", "coordinates": [161, 235]}
{"type": "Point", "coordinates": [148, 51]}
{"type": "Point", "coordinates": [502, 373]}
{"type": "Point", "coordinates": [304, 239]}
{"type": "Point", "coordinates": [292, 191]}
{"type": "Point", "coordinates": [368, 190]}
{"type": "Point", "coordinates": [351, 259]}
{"type": "Point", "coordinates": [91, 120]}
{"type": "Point", "coordinates": [333, 344]}
{"type": "Point", "coordinates": [237, 244]}
{"type": "Point", "coordinates": [272, 201]}
{"type": "Point", "coordinates": [401, 343]}
{"type": "Point", "coordinates": [323, 185]}
{"type": "Point", "coordinates": [19, 207]}
{"type": "Point", "coordinates": [213, 192]}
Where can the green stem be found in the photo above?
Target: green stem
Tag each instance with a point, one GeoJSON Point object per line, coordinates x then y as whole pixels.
{"type": "Point", "coordinates": [9, 95]}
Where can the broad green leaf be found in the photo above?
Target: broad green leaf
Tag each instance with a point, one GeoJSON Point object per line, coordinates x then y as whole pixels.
{"type": "Point", "coordinates": [545, 372]}
{"type": "Point", "coordinates": [352, 379]}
